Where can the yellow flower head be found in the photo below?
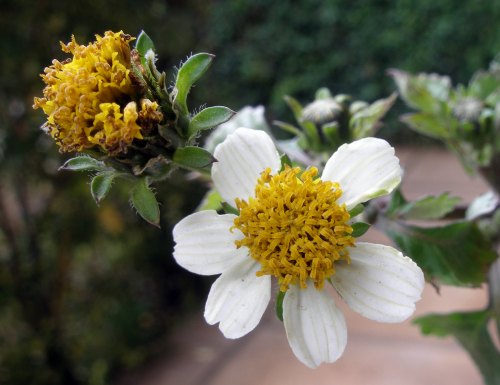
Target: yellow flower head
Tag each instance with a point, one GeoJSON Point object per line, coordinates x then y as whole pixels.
{"type": "Point", "coordinates": [90, 99]}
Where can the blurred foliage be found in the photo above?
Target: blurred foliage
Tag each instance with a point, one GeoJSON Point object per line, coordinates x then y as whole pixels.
{"type": "Point", "coordinates": [86, 292]}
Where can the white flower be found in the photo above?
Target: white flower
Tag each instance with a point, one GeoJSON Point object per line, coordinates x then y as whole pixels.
{"type": "Point", "coordinates": [296, 228]}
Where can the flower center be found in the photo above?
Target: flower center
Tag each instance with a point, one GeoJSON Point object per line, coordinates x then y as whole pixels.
{"type": "Point", "coordinates": [294, 227]}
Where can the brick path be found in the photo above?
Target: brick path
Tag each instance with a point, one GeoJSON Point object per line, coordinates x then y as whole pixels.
{"type": "Point", "coordinates": [376, 353]}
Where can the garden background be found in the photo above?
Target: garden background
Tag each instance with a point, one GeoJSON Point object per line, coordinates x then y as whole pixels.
{"type": "Point", "coordinates": [88, 293]}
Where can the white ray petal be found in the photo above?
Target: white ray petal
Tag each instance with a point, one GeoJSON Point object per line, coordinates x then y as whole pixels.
{"type": "Point", "coordinates": [241, 158]}
{"type": "Point", "coordinates": [315, 327]}
{"type": "Point", "coordinates": [237, 299]}
{"type": "Point", "coordinates": [205, 244]}
{"type": "Point", "coordinates": [365, 169]}
{"type": "Point", "coordinates": [380, 283]}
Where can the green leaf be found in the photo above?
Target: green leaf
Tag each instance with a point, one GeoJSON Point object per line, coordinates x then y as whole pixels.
{"type": "Point", "coordinates": [395, 204]}
{"type": "Point", "coordinates": [209, 118]}
{"type": "Point", "coordinates": [193, 158]}
{"type": "Point", "coordinates": [101, 184]}
{"type": "Point", "coordinates": [189, 73]}
{"type": "Point", "coordinates": [279, 304]}
{"type": "Point", "coordinates": [365, 122]}
{"type": "Point", "coordinates": [456, 254]}
{"type": "Point", "coordinates": [144, 201]}
{"type": "Point", "coordinates": [359, 228]}
{"type": "Point", "coordinates": [470, 330]}
{"type": "Point", "coordinates": [430, 207]}
{"type": "Point", "coordinates": [423, 92]}
{"type": "Point", "coordinates": [143, 45]}
{"type": "Point", "coordinates": [288, 128]}
{"type": "Point", "coordinates": [83, 163]}
{"type": "Point", "coordinates": [430, 125]}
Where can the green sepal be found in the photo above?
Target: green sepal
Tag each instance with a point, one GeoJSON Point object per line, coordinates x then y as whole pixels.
{"type": "Point", "coordinates": [193, 158]}
{"type": "Point", "coordinates": [285, 161]}
{"type": "Point", "coordinates": [359, 229]}
{"type": "Point", "coordinates": [228, 209]}
{"type": "Point", "coordinates": [189, 73]}
{"type": "Point", "coordinates": [279, 304]}
{"type": "Point", "coordinates": [143, 200]}
{"type": "Point", "coordinates": [143, 45]}
{"type": "Point", "coordinates": [83, 163]}
{"type": "Point", "coordinates": [101, 184]}
{"type": "Point", "coordinates": [356, 210]}
{"type": "Point", "coordinates": [470, 329]}
{"type": "Point", "coordinates": [208, 118]}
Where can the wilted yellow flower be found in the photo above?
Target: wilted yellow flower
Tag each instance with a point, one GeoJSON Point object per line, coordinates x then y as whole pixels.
{"type": "Point", "coordinates": [91, 100]}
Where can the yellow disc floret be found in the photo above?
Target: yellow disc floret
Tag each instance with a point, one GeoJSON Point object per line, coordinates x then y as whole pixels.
{"type": "Point", "coordinates": [294, 227]}
{"type": "Point", "coordinates": [90, 99]}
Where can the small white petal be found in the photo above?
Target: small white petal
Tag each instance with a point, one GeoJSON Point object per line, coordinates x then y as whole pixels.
{"type": "Point", "coordinates": [380, 283]}
{"type": "Point", "coordinates": [237, 299]}
{"type": "Point", "coordinates": [204, 243]}
{"type": "Point", "coordinates": [365, 169]}
{"type": "Point", "coordinates": [241, 158]}
{"type": "Point", "coordinates": [315, 327]}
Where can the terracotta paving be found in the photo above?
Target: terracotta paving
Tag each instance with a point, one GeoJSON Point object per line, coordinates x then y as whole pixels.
{"type": "Point", "coordinates": [376, 353]}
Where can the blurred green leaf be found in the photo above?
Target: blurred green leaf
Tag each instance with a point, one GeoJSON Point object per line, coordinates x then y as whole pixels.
{"type": "Point", "coordinates": [143, 45]}
{"type": "Point", "coordinates": [364, 122]}
{"type": "Point", "coordinates": [189, 73]}
{"type": "Point", "coordinates": [101, 184]}
{"type": "Point", "coordinates": [285, 161]}
{"type": "Point", "coordinates": [455, 254]}
{"type": "Point", "coordinates": [483, 84]}
{"type": "Point", "coordinates": [83, 163]}
{"type": "Point", "coordinates": [191, 157]}
{"type": "Point", "coordinates": [429, 207]}
{"type": "Point", "coordinates": [429, 125]}
{"type": "Point", "coordinates": [423, 91]}
{"type": "Point", "coordinates": [211, 201]}
{"type": "Point", "coordinates": [144, 201]}
{"type": "Point", "coordinates": [470, 330]}
{"type": "Point", "coordinates": [208, 118]}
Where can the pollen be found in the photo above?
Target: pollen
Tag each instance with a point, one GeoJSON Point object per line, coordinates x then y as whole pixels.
{"type": "Point", "coordinates": [294, 227]}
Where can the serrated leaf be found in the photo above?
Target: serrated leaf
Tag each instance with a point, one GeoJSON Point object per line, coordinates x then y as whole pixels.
{"type": "Point", "coordinates": [189, 73]}
{"type": "Point", "coordinates": [359, 228]}
{"type": "Point", "coordinates": [143, 45]}
{"type": "Point", "coordinates": [470, 330]}
{"type": "Point", "coordinates": [430, 207]}
{"type": "Point", "coordinates": [191, 157]}
{"type": "Point", "coordinates": [83, 163]}
{"type": "Point", "coordinates": [456, 254]}
{"type": "Point", "coordinates": [144, 201]}
{"type": "Point", "coordinates": [364, 122]}
{"type": "Point", "coordinates": [430, 125]}
{"type": "Point", "coordinates": [101, 184]}
{"type": "Point", "coordinates": [208, 118]}
{"type": "Point", "coordinates": [279, 304]}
